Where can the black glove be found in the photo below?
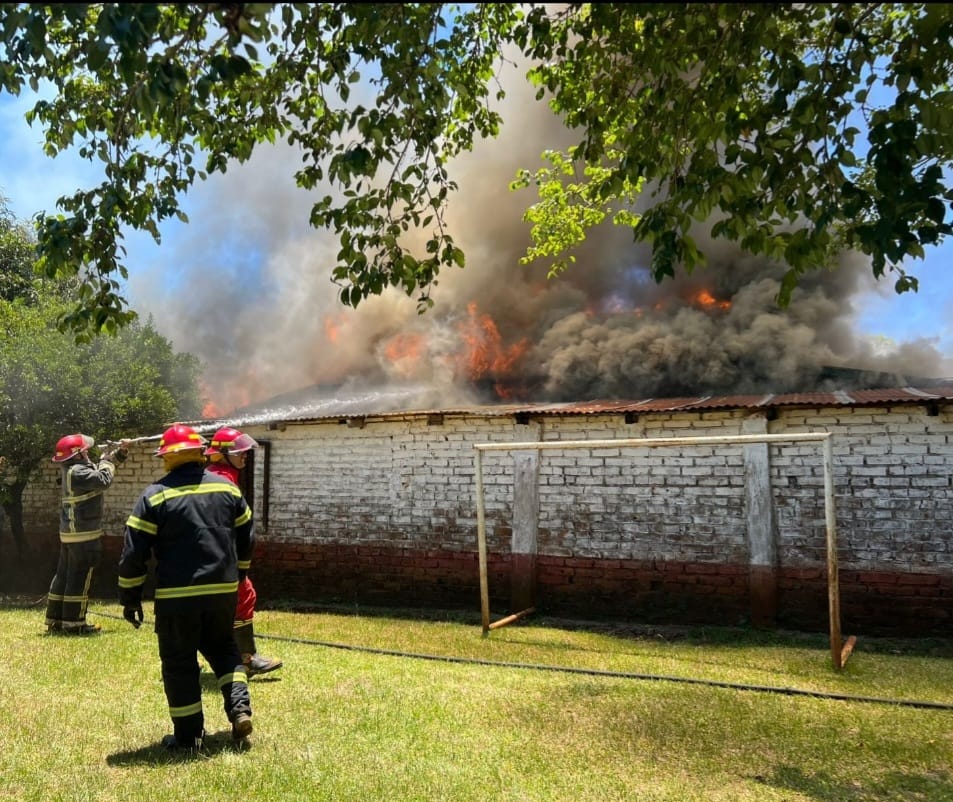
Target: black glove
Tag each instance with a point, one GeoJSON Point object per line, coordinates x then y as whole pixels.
{"type": "Point", "coordinates": [242, 574]}
{"type": "Point", "coordinates": [120, 455]}
{"type": "Point", "coordinates": [133, 614]}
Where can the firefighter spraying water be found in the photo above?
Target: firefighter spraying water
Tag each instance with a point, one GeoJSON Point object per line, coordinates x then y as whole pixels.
{"type": "Point", "coordinates": [81, 515]}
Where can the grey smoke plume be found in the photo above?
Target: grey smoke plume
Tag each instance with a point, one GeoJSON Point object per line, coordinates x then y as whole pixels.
{"type": "Point", "coordinates": [246, 288]}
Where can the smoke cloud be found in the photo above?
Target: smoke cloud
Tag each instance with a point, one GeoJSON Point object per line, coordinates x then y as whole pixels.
{"type": "Point", "coordinates": [246, 288]}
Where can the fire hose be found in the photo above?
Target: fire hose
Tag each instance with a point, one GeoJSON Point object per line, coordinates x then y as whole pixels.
{"type": "Point", "coordinates": [594, 672]}
{"type": "Point", "coordinates": [127, 441]}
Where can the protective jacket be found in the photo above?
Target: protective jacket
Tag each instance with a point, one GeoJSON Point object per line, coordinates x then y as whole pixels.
{"type": "Point", "coordinates": [199, 528]}
{"type": "Point", "coordinates": [81, 505]}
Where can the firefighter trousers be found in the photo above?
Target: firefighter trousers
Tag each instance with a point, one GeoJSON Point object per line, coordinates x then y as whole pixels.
{"type": "Point", "coordinates": [68, 598]}
{"type": "Point", "coordinates": [182, 637]}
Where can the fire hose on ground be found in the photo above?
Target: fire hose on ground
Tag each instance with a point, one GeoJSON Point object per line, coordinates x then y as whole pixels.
{"type": "Point", "coordinates": [594, 672]}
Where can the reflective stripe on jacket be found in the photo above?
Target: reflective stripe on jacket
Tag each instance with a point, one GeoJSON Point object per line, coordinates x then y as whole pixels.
{"type": "Point", "coordinates": [198, 527]}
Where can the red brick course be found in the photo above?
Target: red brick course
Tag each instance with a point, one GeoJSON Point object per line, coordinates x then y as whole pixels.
{"type": "Point", "coordinates": [872, 603]}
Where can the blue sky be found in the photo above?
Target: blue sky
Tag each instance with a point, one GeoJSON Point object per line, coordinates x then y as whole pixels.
{"type": "Point", "coordinates": [248, 255]}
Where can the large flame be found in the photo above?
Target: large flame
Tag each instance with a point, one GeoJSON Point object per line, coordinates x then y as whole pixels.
{"type": "Point", "coordinates": [238, 394]}
{"type": "Point", "coordinates": [485, 356]}
{"type": "Point", "coordinates": [404, 352]}
{"type": "Point", "coordinates": [477, 355]}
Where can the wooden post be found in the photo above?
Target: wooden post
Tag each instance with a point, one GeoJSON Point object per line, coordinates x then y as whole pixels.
{"type": "Point", "coordinates": [839, 651]}
{"type": "Point", "coordinates": [481, 544]}
{"type": "Point", "coordinates": [511, 618]}
{"type": "Point", "coordinates": [833, 591]}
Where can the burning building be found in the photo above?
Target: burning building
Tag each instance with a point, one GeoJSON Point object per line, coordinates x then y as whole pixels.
{"type": "Point", "coordinates": [262, 314]}
{"type": "Point", "coordinates": [368, 418]}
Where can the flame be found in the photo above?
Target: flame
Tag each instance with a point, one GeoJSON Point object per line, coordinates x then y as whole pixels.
{"type": "Point", "coordinates": [227, 399]}
{"type": "Point", "coordinates": [404, 352]}
{"type": "Point", "coordinates": [708, 301]}
{"type": "Point", "coordinates": [485, 355]}
{"type": "Point", "coordinates": [332, 328]}
{"type": "Point", "coordinates": [405, 346]}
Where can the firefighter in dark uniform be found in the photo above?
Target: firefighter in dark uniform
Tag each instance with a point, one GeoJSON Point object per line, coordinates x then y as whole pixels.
{"type": "Point", "coordinates": [199, 529]}
{"type": "Point", "coordinates": [81, 530]}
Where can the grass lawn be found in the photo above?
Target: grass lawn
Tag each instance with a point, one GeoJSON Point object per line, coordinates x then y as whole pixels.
{"type": "Point", "coordinates": [376, 705]}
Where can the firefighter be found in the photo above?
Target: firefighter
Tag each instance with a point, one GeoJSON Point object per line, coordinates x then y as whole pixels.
{"type": "Point", "coordinates": [227, 455]}
{"type": "Point", "coordinates": [199, 529]}
{"type": "Point", "coordinates": [81, 529]}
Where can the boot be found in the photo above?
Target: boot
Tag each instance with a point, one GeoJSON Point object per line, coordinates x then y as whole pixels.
{"type": "Point", "coordinates": [241, 727]}
{"type": "Point", "coordinates": [187, 747]}
{"type": "Point", "coordinates": [257, 664]}
{"type": "Point", "coordinates": [80, 629]}
{"type": "Point", "coordinates": [254, 662]}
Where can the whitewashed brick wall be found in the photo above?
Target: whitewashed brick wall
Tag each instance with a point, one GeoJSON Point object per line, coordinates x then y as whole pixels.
{"type": "Point", "coordinates": [400, 482]}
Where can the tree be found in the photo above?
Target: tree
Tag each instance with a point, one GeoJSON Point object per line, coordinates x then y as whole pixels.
{"type": "Point", "coordinates": [801, 130]}
{"type": "Point", "coordinates": [113, 387]}
{"type": "Point", "coordinates": [16, 256]}
{"type": "Point", "coordinates": [749, 117]}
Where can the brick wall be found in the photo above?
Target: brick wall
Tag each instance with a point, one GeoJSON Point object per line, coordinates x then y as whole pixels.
{"type": "Point", "coordinates": [382, 510]}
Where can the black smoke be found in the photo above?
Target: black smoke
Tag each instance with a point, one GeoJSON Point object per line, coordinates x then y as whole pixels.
{"type": "Point", "coordinates": [247, 289]}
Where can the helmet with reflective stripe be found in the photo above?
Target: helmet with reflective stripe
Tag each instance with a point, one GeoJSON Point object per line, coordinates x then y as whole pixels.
{"type": "Point", "coordinates": [230, 441]}
{"type": "Point", "coordinates": [71, 445]}
{"type": "Point", "coordinates": [179, 437]}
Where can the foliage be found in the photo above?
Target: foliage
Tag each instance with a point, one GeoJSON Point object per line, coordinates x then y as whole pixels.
{"type": "Point", "coordinates": [137, 383]}
{"type": "Point", "coordinates": [148, 88]}
{"type": "Point", "coordinates": [16, 256]}
{"type": "Point", "coordinates": [751, 115]}
{"type": "Point", "coordinates": [50, 385]}
{"type": "Point", "coordinates": [748, 115]}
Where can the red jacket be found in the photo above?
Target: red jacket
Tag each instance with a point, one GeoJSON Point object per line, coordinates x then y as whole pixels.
{"type": "Point", "coordinates": [247, 596]}
{"type": "Point", "coordinates": [224, 469]}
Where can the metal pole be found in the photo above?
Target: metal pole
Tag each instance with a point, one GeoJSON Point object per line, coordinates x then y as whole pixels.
{"type": "Point", "coordinates": [481, 544]}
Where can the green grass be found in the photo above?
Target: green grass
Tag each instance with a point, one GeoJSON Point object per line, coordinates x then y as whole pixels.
{"type": "Point", "coordinates": [539, 710]}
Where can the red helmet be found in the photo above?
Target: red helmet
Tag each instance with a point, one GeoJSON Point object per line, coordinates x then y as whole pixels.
{"type": "Point", "coordinates": [71, 445]}
{"type": "Point", "coordinates": [179, 437]}
{"type": "Point", "coordinates": [230, 441]}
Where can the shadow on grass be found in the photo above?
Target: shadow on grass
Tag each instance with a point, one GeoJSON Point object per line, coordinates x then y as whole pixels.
{"type": "Point", "coordinates": [828, 787]}
{"type": "Point", "coordinates": [742, 637]}
{"type": "Point", "coordinates": [156, 754]}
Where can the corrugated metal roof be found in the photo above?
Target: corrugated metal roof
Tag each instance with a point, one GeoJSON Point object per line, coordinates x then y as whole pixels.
{"type": "Point", "coordinates": [325, 409]}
